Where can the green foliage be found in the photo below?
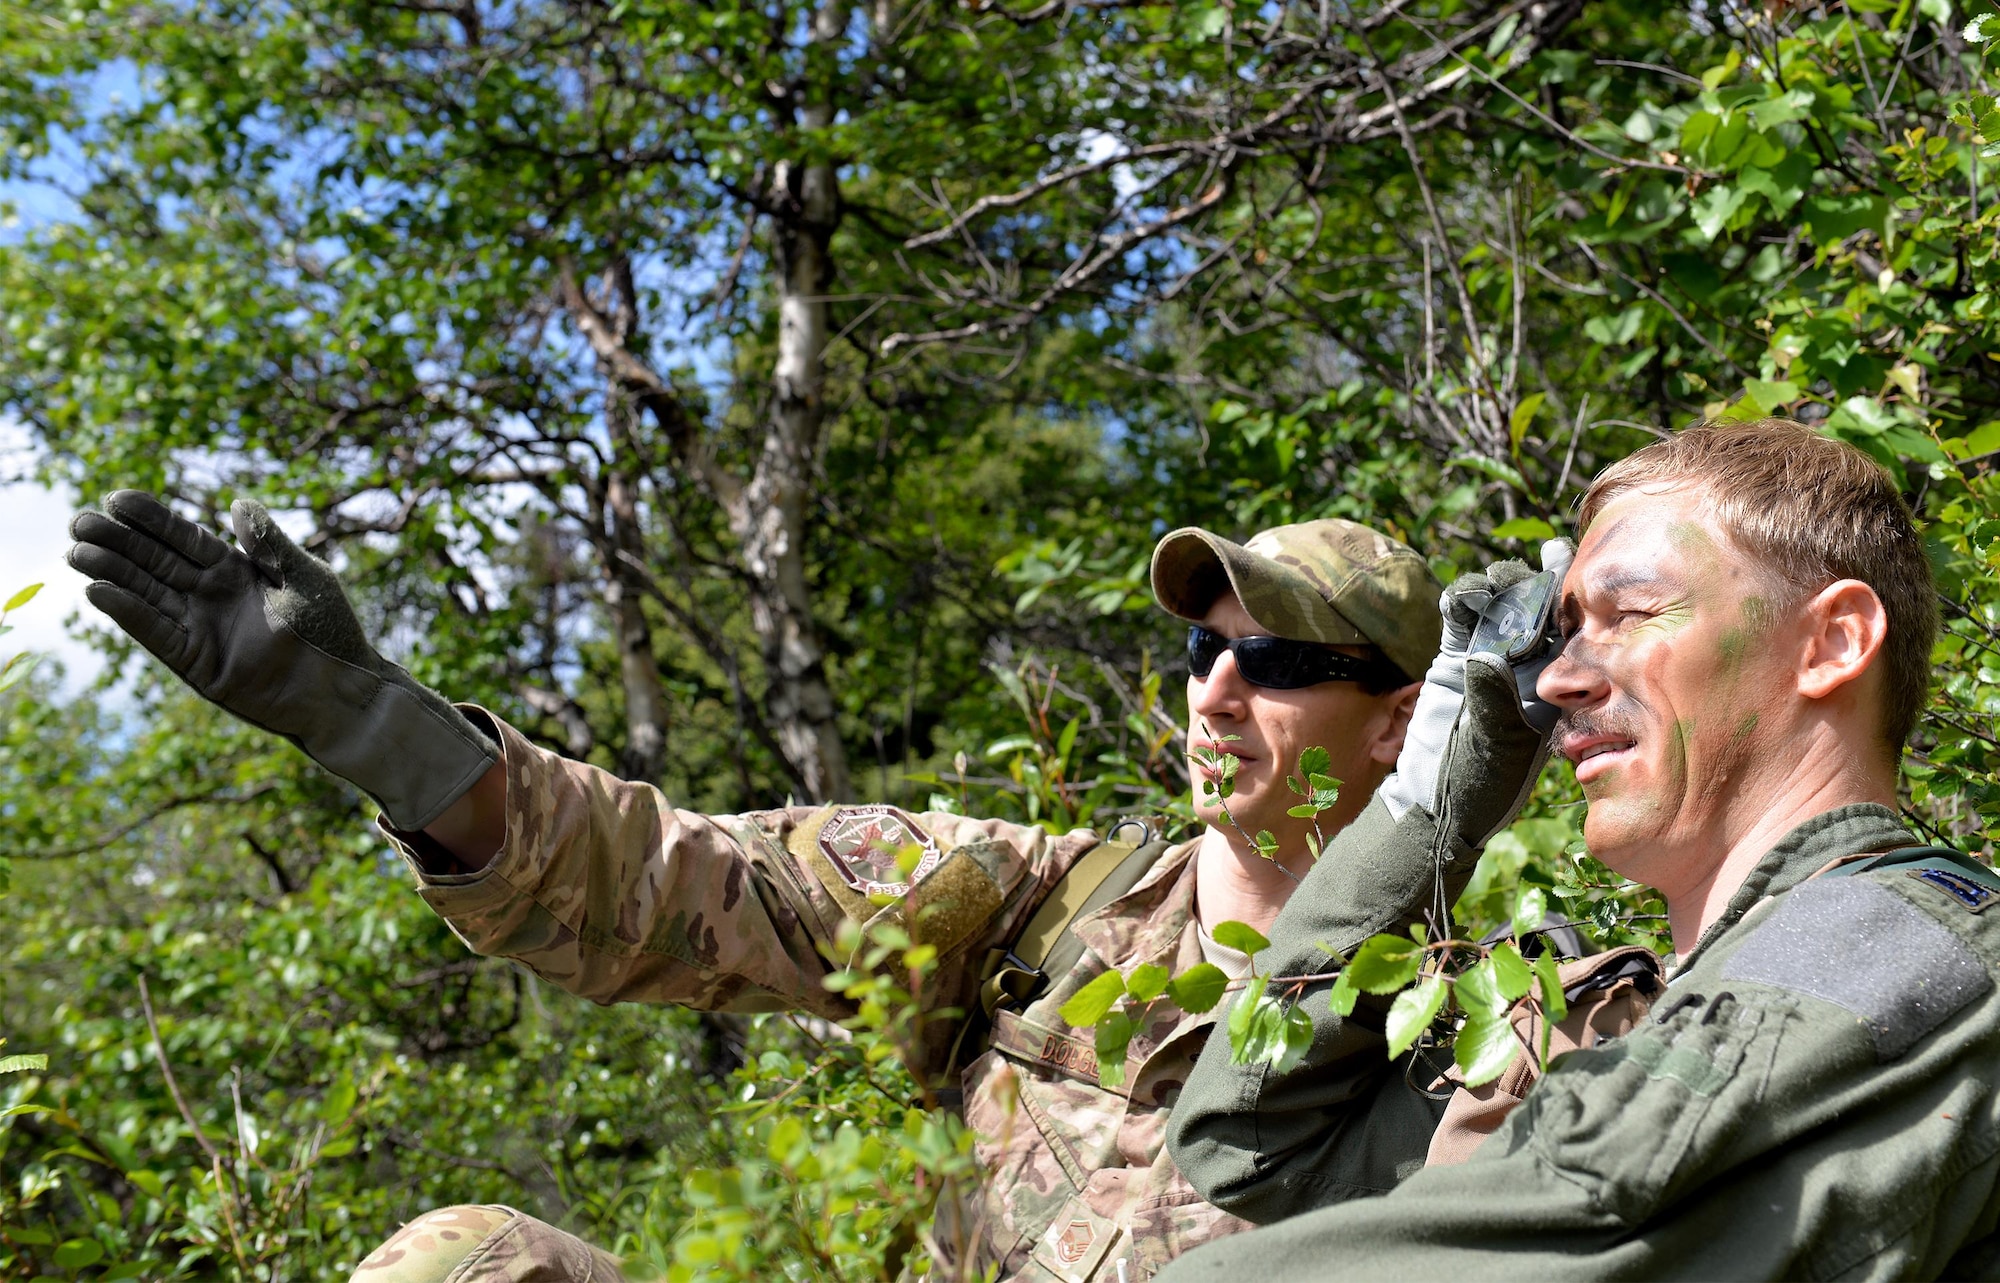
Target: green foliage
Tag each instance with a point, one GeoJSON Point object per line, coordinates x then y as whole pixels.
{"type": "Point", "coordinates": [840, 1161]}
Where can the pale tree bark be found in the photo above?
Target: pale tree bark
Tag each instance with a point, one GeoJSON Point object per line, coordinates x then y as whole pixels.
{"type": "Point", "coordinates": [645, 749]}
{"type": "Point", "coordinates": [767, 511]}
{"type": "Point", "coordinates": [769, 520]}
{"type": "Point", "coordinates": [615, 529]}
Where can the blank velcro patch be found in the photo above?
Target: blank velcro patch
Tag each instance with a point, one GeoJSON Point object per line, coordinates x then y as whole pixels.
{"type": "Point", "coordinates": [1861, 946]}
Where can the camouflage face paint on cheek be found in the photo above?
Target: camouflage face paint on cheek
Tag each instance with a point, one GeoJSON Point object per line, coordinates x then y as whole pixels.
{"type": "Point", "coordinates": [1677, 753]}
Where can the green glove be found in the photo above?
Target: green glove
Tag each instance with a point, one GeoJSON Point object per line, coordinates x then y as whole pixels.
{"type": "Point", "coordinates": [267, 634]}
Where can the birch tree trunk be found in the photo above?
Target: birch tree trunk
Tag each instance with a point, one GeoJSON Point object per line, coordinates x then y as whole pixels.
{"type": "Point", "coordinates": [803, 201]}
{"type": "Point", "coordinates": [770, 520]}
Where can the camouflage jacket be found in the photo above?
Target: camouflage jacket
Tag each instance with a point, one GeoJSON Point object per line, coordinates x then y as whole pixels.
{"type": "Point", "coordinates": [1815, 1096]}
{"type": "Point", "coordinates": [606, 890]}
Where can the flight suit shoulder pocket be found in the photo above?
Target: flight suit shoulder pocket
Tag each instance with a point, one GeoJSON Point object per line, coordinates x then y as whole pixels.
{"type": "Point", "coordinates": [1630, 1122]}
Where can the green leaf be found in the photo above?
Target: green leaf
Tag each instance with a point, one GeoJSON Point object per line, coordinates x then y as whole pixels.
{"type": "Point", "coordinates": [1385, 963]}
{"type": "Point", "coordinates": [1241, 936]}
{"type": "Point", "coordinates": [20, 599]}
{"type": "Point", "coordinates": [1832, 219]}
{"type": "Point", "coordinates": [1548, 981]}
{"type": "Point", "coordinates": [1511, 973]}
{"type": "Point", "coordinates": [1008, 744]}
{"type": "Point", "coordinates": [1523, 417]}
{"type": "Point", "coordinates": [1767, 397]}
{"type": "Point", "coordinates": [1114, 1035]}
{"type": "Point", "coordinates": [1147, 981]}
{"type": "Point", "coordinates": [1696, 130]}
{"type": "Point", "coordinates": [1477, 988]}
{"type": "Point", "coordinates": [1716, 206]}
{"type": "Point", "coordinates": [79, 1252]}
{"type": "Point", "coordinates": [1243, 1015]}
{"type": "Point", "coordinates": [1412, 1013]}
{"type": "Point", "coordinates": [1524, 528]}
{"type": "Point", "coordinates": [1315, 761]}
{"type": "Point", "coordinates": [1087, 1005]}
{"type": "Point", "coordinates": [1198, 988]}
{"type": "Point", "coordinates": [1485, 1046]}
{"type": "Point", "coordinates": [1344, 994]}
{"type": "Point", "coordinates": [1263, 1027]}
{"type": "Point", "coordinates": [16, 1064]}
{"type": "Point", "coordinates": [1981, 29]}
{"type": "Point", "coordinates": [1782, 184]}
{"type": "Point", "coordinates": [1984, 439]}
{"type": "Point", "coordinates": [16, 668]}
{"type": "Point", "coordinates": [1207, 22]}
{"type": "Point", "coordinates": [1531, 907]}
{"type": "Point", "coordinates": [1792, 105]}
{"type": "Point", "coordinates": [1860, 415]}
{"type": "Point", "coordinates": [1296, 1038]}
{"type": "Point", "coordinates": [1616, 330]}
{"type": "Point", "coordinates": [1493, 468]}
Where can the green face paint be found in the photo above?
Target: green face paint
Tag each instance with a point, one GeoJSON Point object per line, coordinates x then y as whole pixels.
{"type": "Point", "coordinates": [1690, 538]}
{"type": "Point", "coordinates": [1677, 755]}
{"type": "Point", "coordinates": [1729, 649]}
{"type": "Point", "coordinates": [1735, 644]}
{"type": "Point", "coordinates": [1745, 727]}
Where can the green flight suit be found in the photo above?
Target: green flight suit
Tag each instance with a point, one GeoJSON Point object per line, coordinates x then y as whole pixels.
{"type": "Point", "coordinates": [1346, 1121]}
{"type": "Point", "coordinates": [1816, 1095]}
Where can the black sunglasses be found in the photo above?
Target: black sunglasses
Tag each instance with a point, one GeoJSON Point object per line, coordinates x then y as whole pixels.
{"type": "Point", "coordinates": [1280, 663]}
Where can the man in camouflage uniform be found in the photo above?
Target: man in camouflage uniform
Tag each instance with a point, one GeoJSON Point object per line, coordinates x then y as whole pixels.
{"type": "Point", "coordinates": [1749, 622]}
{"type": "Point", "coordinates": [600, 886]}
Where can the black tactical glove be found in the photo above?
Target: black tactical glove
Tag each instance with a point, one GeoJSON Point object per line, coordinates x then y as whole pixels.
{"type": "Point", "coordinates": [267, 634]}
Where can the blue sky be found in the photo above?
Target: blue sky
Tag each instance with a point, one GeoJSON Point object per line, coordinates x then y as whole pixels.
{"type": "Point", "coordinates": [34, 520]}
{"type": "Point", "coordinates": [33, 537]}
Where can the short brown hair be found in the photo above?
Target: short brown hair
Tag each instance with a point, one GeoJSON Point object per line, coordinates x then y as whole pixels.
{"type": "Point", "coordinates": [1816, 510]}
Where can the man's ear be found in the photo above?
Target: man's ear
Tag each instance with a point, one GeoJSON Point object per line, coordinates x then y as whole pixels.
{"type": "Point", "coordinates": [1386, 745]}
{"type": "Point", "coordinates": [1845, 629]}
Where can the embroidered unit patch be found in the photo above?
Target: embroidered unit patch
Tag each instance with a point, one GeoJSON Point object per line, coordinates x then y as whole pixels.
{"type": "Point", "coordinates": [865, 845]}
{"type": "Point", "coordinates": [1975, 897]}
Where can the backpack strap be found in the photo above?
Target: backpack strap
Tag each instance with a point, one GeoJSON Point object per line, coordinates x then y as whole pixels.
{"type": "Point", "coordinates": [1016, 974]}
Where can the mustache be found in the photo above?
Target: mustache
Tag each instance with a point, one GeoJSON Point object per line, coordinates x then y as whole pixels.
{"type": "Point", "coordinates": [1617, 721]}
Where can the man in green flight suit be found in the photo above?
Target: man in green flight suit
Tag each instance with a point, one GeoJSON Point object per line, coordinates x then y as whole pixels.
{"type": "Point", "coordinates": [1748, 626]}
{"type": "Point", "coordinates": [1302, 636]}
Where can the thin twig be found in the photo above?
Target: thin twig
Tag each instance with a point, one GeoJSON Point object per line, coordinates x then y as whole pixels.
{"type": "Point", "coordinates": [225, 1186]}
{"type": "Point", "coordinates": [173, 1085]}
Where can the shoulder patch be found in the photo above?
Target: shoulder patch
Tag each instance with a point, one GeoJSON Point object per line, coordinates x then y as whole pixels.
{"type": "Point", "coordinates": [1862, 947]}
{"type": "Point", "coordinates": [865, 845]}
{"type": "Point", "coordinates": [1976, 897]}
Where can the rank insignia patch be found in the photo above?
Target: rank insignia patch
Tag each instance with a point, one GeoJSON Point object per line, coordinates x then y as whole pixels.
{"type": "Point", "coordinates": [1974, 896]}
{"type": "Point", "coordinates": [864, 845]}
{"type": "Point", "coordinates": [1074, 1242]}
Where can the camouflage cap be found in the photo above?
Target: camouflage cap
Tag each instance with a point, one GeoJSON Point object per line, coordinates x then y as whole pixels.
{"type": "Point", "coordinates": [1327, 581]}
